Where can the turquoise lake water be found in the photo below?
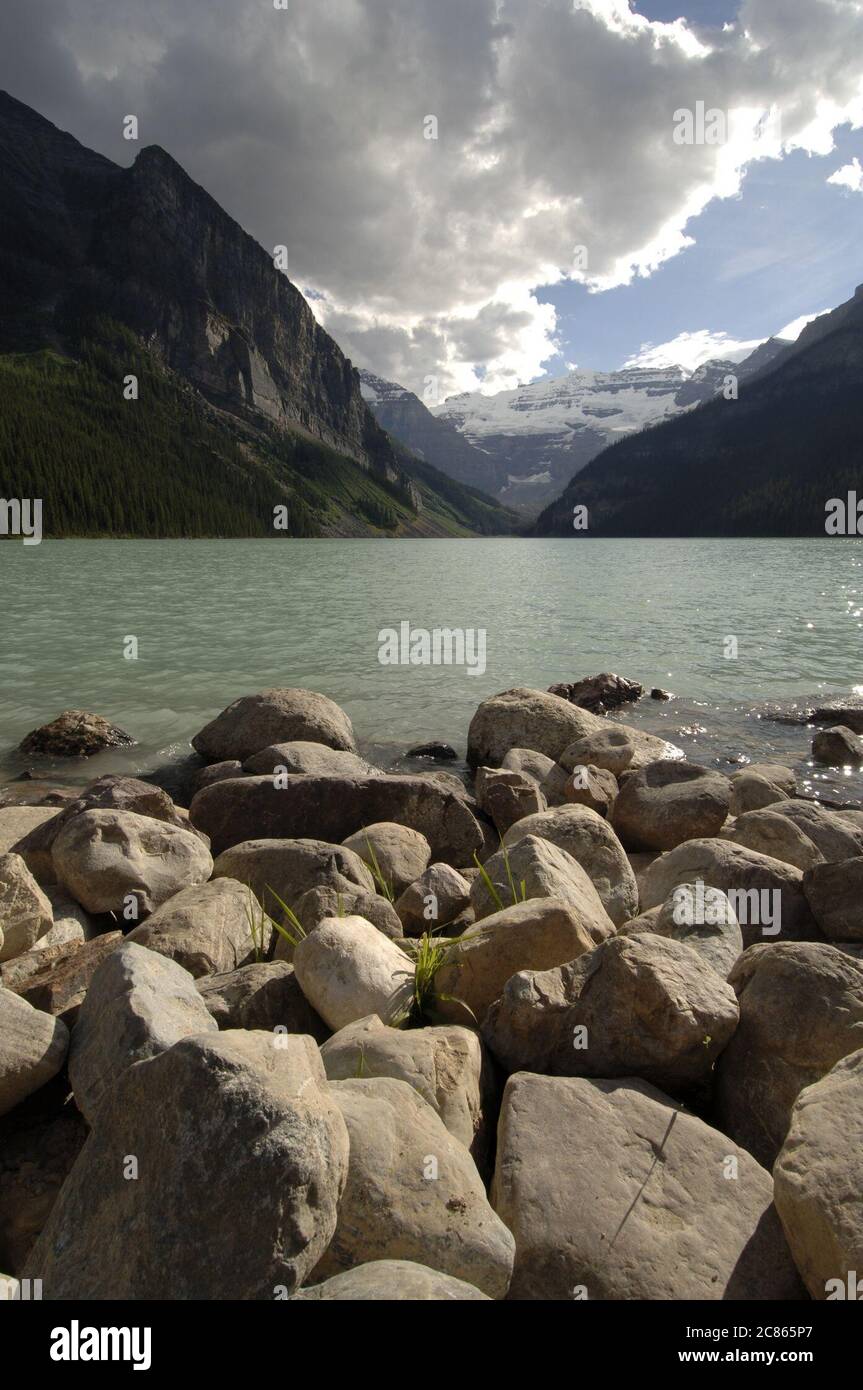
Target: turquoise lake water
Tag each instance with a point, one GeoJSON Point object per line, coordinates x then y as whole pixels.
{"type": "Point", "coordinates": [217, 619]}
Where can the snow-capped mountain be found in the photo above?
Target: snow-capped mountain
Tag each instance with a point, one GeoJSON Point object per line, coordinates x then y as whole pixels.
{"type": "Point", "coordinates": [404, 416]}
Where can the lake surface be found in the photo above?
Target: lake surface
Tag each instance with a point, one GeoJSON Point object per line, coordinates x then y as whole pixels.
{"type": "Point", "coordinates": [218, 619]}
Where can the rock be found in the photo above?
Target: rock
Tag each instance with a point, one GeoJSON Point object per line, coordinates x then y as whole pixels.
{"type": "Point", "coordinates": [318, 903]}
{"type": "Point", "coordinates": [238, 1179]}
{"type": "Point", "coordinates": [533, 935]}
{"type": "Point", "coordinates": [75, 734]}
{"type": "Point", "coordinates": [838, 747]}
{"type": "Point", "coordinates": [537, 766]}
{"type": "Point", "coordinates": [660, 806]}
{"type": "Point", "coordinates": [347, 969]}
{"type": "Point", "coordinates": [332, 808]}
{"type": "Point", "coordinates": [281, 715]}
{"type": "Point", "coordinates": [310, 759]}
{"type": "Point", "coordinates": [391, 1281]}
{"type": "Point", "coordinates": [524, 718]}
{"type": "Point", "coordinates": [433, 900]}
{"type": "Point", "coordinates": [835, 894]}
{"type": "Point", "coordinates": [750, 791]}
{"type": "Point", "coordinates": [639, 1005]}
{"type": "Point", "coordinates": [447, 1066]}
{"type": "Point", "coordinates": [16, 822]}
{"type": "Point", "coordinates": [609, 748]}
{"type": "Point", "coordinates": [507, 796]}
{"type": "Point", "coordinates": [701, 918]}
{"type": "Point", "coordinates": [413, 1192]}
{"type": "Point", "coordinates": [401, 854]}
{"type": "Point", "coordinates": [207, 928]}
{"type": "Point", "coordinates": [216, 772]}
{"type": "Point", "coordinates": [57, 985]}
{"type": "Point", "coordinates": [593, 787]}
{"type": "Point", "coordinates": [536, 868]}
{"type": "Point", "coordinates": [262, 996]}
{"type": "Point", "coordinates": [68, 913]}
{"type": "Point", "coordinates": [776, 836]}
{"type": "Point", "coordinates": [592, 843]}
{"type": "Point", "coordinates": [33, 1048]}
{"type": "Point", "coordinates": [39, 1141]}
{"type": "Point", "coordinates": [837, 838]}
{"type": "Point", "coordinates": [289, 868]}
{"type": "Point", "coordinates": [138, 1005]}
{"type": "Point", "coordinates": [844, 710]}
{"type": "Point", "coordinates": [438, 752]}
{"type": "Point", "coordinates": [766, 894]}
{"type": "Point", "coordinates": [801, 1010]}
{"type": "Point", "coordinates": [777, 774]}
{"type": "Point", "coordinates": [107, 793]}
{"type": "Point", "coordinates": [819, 1177]}
{"type": "Point", "coordinates": [25, 912]}
{"type": "Point", "coordinates": [657, 693]}
{"type": "Point", "coordinates": [62, 934]}
{"type": "Point", "coordinates": [613, 1191]}
{"type": "Point", "coordinates": [105, 858]}
{"type": "Point", "coordinates": [599, 693]}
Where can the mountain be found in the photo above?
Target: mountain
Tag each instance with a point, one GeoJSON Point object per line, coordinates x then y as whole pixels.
{"type": "Point", "coordinates": [403, 415]}
{"type": "Point", "coordinates": [764, 464]}
{"type": "Point", "coordinates": [535, 438]}
{"type": "Point", "coordinates": [245, 402]}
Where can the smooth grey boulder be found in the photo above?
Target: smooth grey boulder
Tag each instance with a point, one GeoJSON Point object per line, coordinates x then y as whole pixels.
{"type": "Point", "coordinates": [778, 836]}
{"type": "Point", "coordinates": [104, 857]}
{"type": "Point", "coordinates": [347, 969]}
{"type": "Point", "coordinates": [536, 868]}
{"type": "Point", "coordinates": [588, 838]}
{"type": "Point", "coordinates": [279, 715]}
{"type": "Point", "coordinates": [391, 1281]}
{"type": "Point", "coordinates": [413, 1192]}
{"type": "Point", "coordinates": [701, 918]}
{"type": "Point", "coordinates": [534, 719]}
{"type": "Point", "coordinates": [635, 1006]}
{"type": "Point", "coordinates": [753, 791]}
{"type": "Point", "coordinates": [25, 911]}
{"type": "Point", "coordinates": [609, 748]}
{"type": "Point", "coordinates": [265, 995]}
{"type": "Point", "coordinates": [33, 1047]}
{"type": "Point", "coordinates": [208, 928]}
{"type": "Point", "coordinates": [331, 808]}
{"type": "Point", "coordinates": [837, 838]}
{"type": "Point", "coordinates": [311, 759]}
{"type": "Point", "coordinates": [613, 1191]}
{"type": "Point", "coordinates": [241, 1158]}
{"type": "Point", "coordinates": [801, 1010]}
{"type": "Point", "coordinates": [138, 1005]}
{"type": "Point", "coordinates": [665, 803]}
{"type": "Point", "coordinates": [835, 894]}
{"type": "Point", "coordinates": [289, 868]}
{"type": "Point", "coordinates": [395, 852]}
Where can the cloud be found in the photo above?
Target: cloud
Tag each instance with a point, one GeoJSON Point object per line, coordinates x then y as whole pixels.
{"type": "Point", "coordinates": [793, 329]}
{"type": "Point", "coordinates": [555, 130]}
{"type": "Point", "coordinates": [849, 176]}
{"type": "Point", "coordinates": [690, 350]}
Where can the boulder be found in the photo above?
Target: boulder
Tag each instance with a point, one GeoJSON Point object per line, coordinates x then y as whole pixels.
{"type": "Point", "coordinates": [593, 787]}
{"type": "Point", "coordinates": [208, 928]}
{"type": "Point", "coordinates": [347, 969]}
{"type": "Point", "coordinates": [776, 836]}
{"type": "Point", "coordinates": [332, 808]}
{"type": "Point", "coordinates": [25, 911]}
{"type": "Point", "coordinates": [599, 693]}
{"type": "Point", "coordinates": [818, 1178]}
{"type": "Point", "coordinates": [33, 1048]}
{"type": "Point", "coordinates": [437, 751]}
{"type": "Point", "coordinates": [776, 773]}
{"type": "Point", "coordinates": [838, 747]}
{"type": "Point", "coordinates": [536, 868]}
{"type": "Point", "coordinates": [282, 715]}
{"type": "Point", "coordinates": [75, 733]}
{"type": "Point", "coordinates": [391, 1281]}
{"type": "Point", "coordinates": [318, 903]}
{"type": "Point", "coordinates": [311, 759]}
{"type": "Point", "coordinates": [701, 918]}
{"type": "Point", "coordinates": [614, 1192]}
{"type": "Point", "coordinates": [752, 791]}
{"type": "Point", "coordinates": [433, 900]}
{"type": "Point", "coordinates": [766, 894]}
{"type": "Point", "coordinates": [838, 837]}
{"type": "Point", "coordinates": [609, 748]}
{"type": "Point", "coordinates": [138, 1005]}
{"type": "Point", "coordinates": [529, 763]}
{"type": "Point", "coordinates": [56, 981]}
{"type": "Point", "coordinates": [639, 1005]}
{"type": "Point", "coordinates": [105, 857]}
{"type": "Point", "coordinates": [17, 822]}
{"type": "Point", "coordinates": [395, 852]}
{"type": "Point", "coordinates": [448, 1066]}
{"type": "Point", "coordinates": [216, 772]}
{"type": "Point", "coordinates": [660, 806]}
{"type": "Point", "coordinates": [835, 894]}
{"type": "Point", "coordinates": [413, 1192]}
{"type": "Point", "coordinates": [507, 796]}
{"type": "Point", "coordinates": [39, 1141]}
{"type": "Point", "coordinates": [525, 718]}
{"type": "Point", "coordinates": [846, 710]}
{"type": "Point", "coordinates": [263, 996]}
{"type": "Point", "coordinates": [241, 1161]}
{"type": "Point", "coordinates": [289, 868]}
{"type": "Point", "coordinates": [588, 839]}
{"type": "Point", "coordinates": [801, 1010]}
{"type": "Point", "coordinates": [533, 935]}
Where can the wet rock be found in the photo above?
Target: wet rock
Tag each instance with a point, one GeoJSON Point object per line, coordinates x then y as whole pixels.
{"type": "Point", "coordinates": [280, 715]}
{"type": "Point", "coordinates": [75, 734]}
{"type": "Point", "coordinates": [599, 693]}
{"type": "Point", "coordinates": [438, 752]}
{"type": "Point", "coordinates": [838, 747]}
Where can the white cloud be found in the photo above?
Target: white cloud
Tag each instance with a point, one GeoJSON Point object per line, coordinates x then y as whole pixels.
{"type": "Point", "coordinates": [555, 131]}
{"type": "Point", "coordinates": [793, 330]}
{"type": "Point", "coordinates": [849, 176]}
{"type": "Point", "coordinates": [690, 350]}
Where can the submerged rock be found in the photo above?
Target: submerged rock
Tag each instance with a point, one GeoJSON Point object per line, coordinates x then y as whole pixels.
{"type": "Point", "coordinates": [75, 734]}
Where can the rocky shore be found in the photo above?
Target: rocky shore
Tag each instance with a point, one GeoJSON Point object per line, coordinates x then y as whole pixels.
{"type": "Point", "coordinates": [588, 1028]}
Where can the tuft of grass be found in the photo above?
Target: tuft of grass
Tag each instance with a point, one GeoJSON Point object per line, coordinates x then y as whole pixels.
{"type": "Point", "coordinates": [384, 887]}
{"type": "Point", "coordinates": [519, 895]}
{"type": "Point", "coordinates": [429, 953]}
{"type": "Point", "coordinates": [257, 920]}
{"type": "Point", "coordinates": [297, 932]}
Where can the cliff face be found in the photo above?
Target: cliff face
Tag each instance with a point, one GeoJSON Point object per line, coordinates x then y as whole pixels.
{"type": "Point", "coordinates": [152, 249]}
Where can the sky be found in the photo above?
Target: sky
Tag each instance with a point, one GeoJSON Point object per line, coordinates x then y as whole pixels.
{"type": "Point", "coordinates": [476, 193]}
